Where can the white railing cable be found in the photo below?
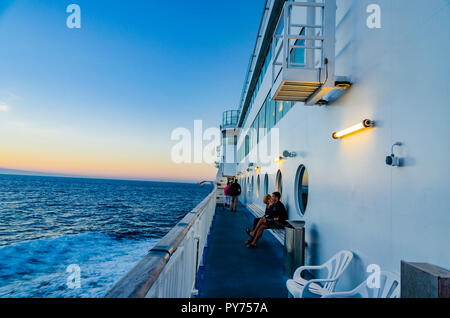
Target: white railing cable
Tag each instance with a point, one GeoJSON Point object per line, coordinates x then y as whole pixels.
{"type": "Point", "coordinates": [170, 269]}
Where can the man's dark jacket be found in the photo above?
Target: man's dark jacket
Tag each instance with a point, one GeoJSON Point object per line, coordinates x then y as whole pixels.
{"type": "Point", "coordinates": [235, 190]}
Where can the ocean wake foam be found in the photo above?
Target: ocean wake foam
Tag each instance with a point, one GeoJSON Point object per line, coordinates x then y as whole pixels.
{"type": "Point", "coordinates": [37, 268]}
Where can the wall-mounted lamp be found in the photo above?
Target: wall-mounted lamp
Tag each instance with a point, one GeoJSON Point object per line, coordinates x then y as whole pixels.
{"type": "Point", "coordinates": [278, 159]}
{"type": "Point", "coordinates": [392, 160]}
{"type": "Point", "coordinates": [257, 169]}
{"type": "Point", "coordinates": [288, 154]}
{"type": "Point", "coordinates": [358, 127]}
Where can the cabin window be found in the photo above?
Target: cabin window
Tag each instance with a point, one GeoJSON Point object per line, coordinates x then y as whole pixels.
{"type": "Point", "coordinates": [279, 111]}
{"type": "Point", "coordinates": [266, 184]}
{"type": "Point", "coordinates": [270, 114]}
{"type": "Point", "coordinates": [247, 145]}
{"type": "Point", "coordinates": [302, 182]}
{"type": "Point", "coordinates": [279, 182]}
{"type": "Point", "coordinates": [253, 183]}
{"type": "Point", "coordinates": [262, 123]}
{"type": "Point", "coordinates": [298, 54]}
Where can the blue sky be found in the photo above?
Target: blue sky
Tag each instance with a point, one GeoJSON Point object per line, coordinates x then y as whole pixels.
{"type": "Point", "coordinates": [102, 100]}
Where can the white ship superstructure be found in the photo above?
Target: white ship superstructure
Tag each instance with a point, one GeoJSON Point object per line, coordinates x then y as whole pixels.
{"type": "Point", "coordinates": [320, 67]}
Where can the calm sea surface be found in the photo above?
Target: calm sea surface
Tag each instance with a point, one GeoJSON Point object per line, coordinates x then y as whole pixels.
{"type": "Point", "coordinates": [102, 226]}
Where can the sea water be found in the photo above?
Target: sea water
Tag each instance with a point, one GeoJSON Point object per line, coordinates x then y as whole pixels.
{"type": "Point", "coordinates": [102, 226]}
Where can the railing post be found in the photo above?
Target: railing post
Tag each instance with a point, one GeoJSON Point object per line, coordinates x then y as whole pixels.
{"type": "Point", "coordinates": [329, 35]}
{"type": "Point", "coordinates": [194, 291]}
{"type": "Point", "coordinates": [285, 35]}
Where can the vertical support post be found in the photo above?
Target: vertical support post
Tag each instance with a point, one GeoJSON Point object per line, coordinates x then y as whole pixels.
{"type": "Point", "coordinates": [309, 32]}
{"type": "Point", "coordinates": [197, 254]}
{"type": "Point", "coordinates": [273, 48]}
{"type": "Point", "coordinates": [285, 36]}
{"type": "Point", "coordinates": [329, 34]}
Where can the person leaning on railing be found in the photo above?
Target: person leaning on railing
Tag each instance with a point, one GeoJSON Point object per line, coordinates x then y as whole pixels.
{"type": "Point", "coordinates": [275, 219]}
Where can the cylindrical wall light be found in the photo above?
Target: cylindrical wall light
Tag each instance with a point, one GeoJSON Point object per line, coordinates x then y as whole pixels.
{"type": "Point", "coordinates": [361, 126]}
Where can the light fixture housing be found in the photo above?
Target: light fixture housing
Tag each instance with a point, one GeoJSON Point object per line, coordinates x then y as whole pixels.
{"type": "Point", "coordinates": [355, 128]}
{"type": "Point", "coordinates": [288, 154]}
{"type": "Point", "coordinates": [278, 159]}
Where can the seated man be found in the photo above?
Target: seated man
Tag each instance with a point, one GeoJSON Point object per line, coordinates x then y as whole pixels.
{"type": "Point", "coordinates": [276, 219]}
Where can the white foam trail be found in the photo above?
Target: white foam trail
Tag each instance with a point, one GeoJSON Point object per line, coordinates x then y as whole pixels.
{"type": "Point", "coordinates": [37, 268]}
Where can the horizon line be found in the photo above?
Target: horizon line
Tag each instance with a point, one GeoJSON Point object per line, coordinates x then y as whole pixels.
{"type": "Point", "coordinates": [15, 172]}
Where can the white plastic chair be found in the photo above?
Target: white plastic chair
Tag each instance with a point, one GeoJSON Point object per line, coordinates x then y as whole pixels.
{"type": "Point", "coordinates": [300, 287]}
{"type": "Point", "coordinates": [389, 288]}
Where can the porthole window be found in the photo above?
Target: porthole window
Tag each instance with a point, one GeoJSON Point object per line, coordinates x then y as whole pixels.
{"type": "Point", "coordinates": [258, 185]}
{"type": "Point", "coordinates": [279, 182]}
{"type": "Point", "coordinates": [302, 182]}
{"type": "Point", "coordinates": [266, 184]}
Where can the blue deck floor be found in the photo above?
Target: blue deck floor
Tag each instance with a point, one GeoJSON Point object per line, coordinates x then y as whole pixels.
{"type": "Point", "coordinates": [232, 270]}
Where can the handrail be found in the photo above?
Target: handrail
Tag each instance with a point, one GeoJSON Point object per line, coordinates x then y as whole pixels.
{"type": "Point", "coordinates": [150, 272]}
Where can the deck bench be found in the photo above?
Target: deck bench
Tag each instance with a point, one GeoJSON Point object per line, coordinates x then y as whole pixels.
{"type": "Point", "coordinates": [258, 213]}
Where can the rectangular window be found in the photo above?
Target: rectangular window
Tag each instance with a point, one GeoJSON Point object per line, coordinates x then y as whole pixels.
{"type": "Point", "coordinates": [247, 145]}
{"type": "Point", "coordinates": [270, 115]}
{"type": "Point", "coordinates": [279, 111]}
{"type": "Point", "coordinates": [257, 129]}
{"type": "Point", "coordinates": [298, 54]}
{"type": "Point", "coordinates": [262, 121]}
{"type": "Point", "coordinates": [287, 107]}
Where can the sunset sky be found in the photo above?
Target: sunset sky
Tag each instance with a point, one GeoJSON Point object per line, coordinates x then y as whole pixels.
{"type": "Point", "coordinates": [102, 101]}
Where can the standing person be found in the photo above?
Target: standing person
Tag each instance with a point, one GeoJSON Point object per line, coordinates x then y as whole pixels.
{"type": "Point", "coordinates": [275, 220]}
{"type": "Point", "coordinates": [227, 202]}
{"type": "Point", "coordinates": [235, 191]}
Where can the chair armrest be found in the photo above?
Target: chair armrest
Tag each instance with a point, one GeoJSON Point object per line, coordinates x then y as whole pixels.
{"type": "Point", "coordinates": [298, 271]}
{"type": "Point", "coordinates": [312, 281]}
{"type": "Point", "coordinates": [340, 295]}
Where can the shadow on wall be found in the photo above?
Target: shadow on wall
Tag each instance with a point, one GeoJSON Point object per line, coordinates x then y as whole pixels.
{"type": "Point", "coordinates": [312, 250]}
{"type": "Point", "coordinates": [353, 275]}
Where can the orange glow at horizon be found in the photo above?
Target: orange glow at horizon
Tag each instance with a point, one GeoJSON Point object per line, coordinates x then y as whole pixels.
{"type": "Point", "coordinates": [119, 166]}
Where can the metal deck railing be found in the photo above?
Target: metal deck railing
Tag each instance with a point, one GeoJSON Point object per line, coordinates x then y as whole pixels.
{"type": "Point", "coordinates": [170, 269]}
